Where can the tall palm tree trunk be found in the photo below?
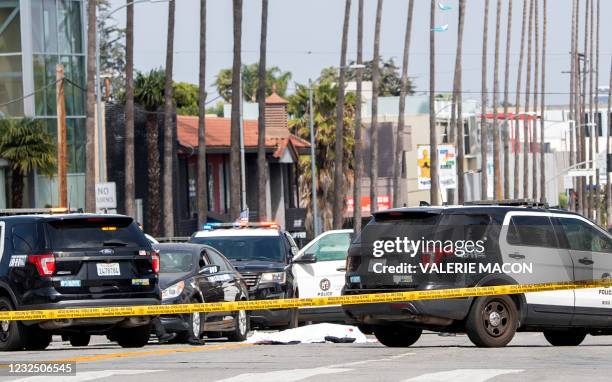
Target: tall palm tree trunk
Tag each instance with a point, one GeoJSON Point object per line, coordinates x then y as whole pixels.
{"type": "Point", "coordinates": [433, 131]}
{"type": "Point", "coordinates": [506, 130]}
{"type": "Point", "coordinates": [457, 105]}
{"type": "Point", "coordinates": [579, 114]}
{"type": "Point", "coordinates": [484, 129]}
{"type": "Point", "coordinates": [358, 148]}
{"type": "Point", "coordinates": [536, 90]}
{"type": "Point", "coordinates": [527, 117]}
{"type": "Point", "coordinates": [585, 119]}
{"type": "Point", "coordinates": [153, 171]}
{"type": "Point", "coordinates": [374, 119]}
{"type": "Point", "coordinates": [235, 181]}
{"type": "Point", "coordinates": [262, 177]}
{"type": "Point", "coordinates": [130, 202]}
{"type": "Point", "coordinates": [399, 139]}
{"type": "Point", "coordinates": [168, 196]}
{"type": "Point", "coordinates": [572, 98]}
{"type": "Point", "coordinates": [608, 185]}
{"type": "Point", "coordinates": [90, 124]}
{"type": "Point", "coordinates": [591, 127]}
{"type": "Point", "coordinates": [517, 110]}
{"type": "Point", "coordinates": [497, 181]}
{"type": "Point", "coordinates": [338, 207]}
{"type": "Point", "coordinates": [543, 104]}
{"type": "Point", "coordinates": [202, 183]}
{"type": "Point", "coordinates": [596, 117]}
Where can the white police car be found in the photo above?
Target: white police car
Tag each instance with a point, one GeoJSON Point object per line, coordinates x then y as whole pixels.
{"type": "Point", "coordinates": [318, 270]}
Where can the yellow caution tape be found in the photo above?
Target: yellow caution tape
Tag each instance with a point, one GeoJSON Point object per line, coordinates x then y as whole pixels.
{"type": "Point", "coordinates": [154, 310]}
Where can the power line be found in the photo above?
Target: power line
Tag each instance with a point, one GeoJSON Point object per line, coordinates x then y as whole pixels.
{"type": "Point", "coordinates": [29, 95]}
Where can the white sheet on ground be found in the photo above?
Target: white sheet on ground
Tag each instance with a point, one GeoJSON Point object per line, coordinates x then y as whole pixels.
{"type": "Point", "coordinates": [308, 334]}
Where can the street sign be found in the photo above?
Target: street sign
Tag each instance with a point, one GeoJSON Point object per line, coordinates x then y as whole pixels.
{"type": "Point", "coordinates": [106, 196]}
{"type": "Point", "coordinates": [568, 182]}
{"type": "Point", "coordinates": [583, 172]}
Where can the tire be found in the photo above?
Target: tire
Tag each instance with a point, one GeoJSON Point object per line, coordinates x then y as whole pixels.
{"type": "Point", "coordinates": [396, 335]}
{"type": "Point", "coordinates": [492, 321]}
{"type": "Point", "coordinates": [134, 337]}
{"type": "Point", "coordinates": [195, 323]}
{"type": "Point", "coordinates": [365, 328]}
{"type": "Point", "coordinates": [565, 337]}
{"type": "Point", "coordinates": [37, 340]}
{"type": "Point", "coordinates": [242, 327]}
{"type": "Point", "coordinates": [80, 339]}
{"type": "Point", "coordinates": [13, 334]}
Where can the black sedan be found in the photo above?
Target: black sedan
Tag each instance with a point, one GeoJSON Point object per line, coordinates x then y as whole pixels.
{"type": "Point", "coordinates": [193, 273]}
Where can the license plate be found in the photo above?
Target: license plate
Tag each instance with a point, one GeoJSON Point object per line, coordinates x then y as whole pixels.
{"type": "Point", "coordinates": [111, 269]}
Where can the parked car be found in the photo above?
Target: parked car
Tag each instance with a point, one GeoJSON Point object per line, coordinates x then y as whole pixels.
{"type": "Point", "coordinates": [560, 246]}
{"type": "Point", "coordinates": [74, 261]}
{"type": "Point", "coordinates": [318, 270]}
{"type": "Point", "coordinates": [262, 253]}
{"type": "Point", "coordinates": [194, 273]}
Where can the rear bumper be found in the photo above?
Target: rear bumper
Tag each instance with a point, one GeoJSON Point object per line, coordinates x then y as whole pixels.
{"type": "Point", "coordinates": [93, 303]}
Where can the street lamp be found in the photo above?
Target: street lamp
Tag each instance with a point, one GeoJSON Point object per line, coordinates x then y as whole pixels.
{"type": "Point", "coordinates": [101, 162]}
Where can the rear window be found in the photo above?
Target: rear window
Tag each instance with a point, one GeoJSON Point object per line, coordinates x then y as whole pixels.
{"type": "Point", "coordinates": [172, 261]}
{"type": "Point", "coordinates": [95, 233]}
{"type": "Point", "coordinates": [390, 226]}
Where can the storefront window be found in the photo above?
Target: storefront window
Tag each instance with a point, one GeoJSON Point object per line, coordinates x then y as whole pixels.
{"type": "Point", "coordinates": [10, 35]}
{"type": "Point", "coordinates": [11, 87]}
{"type": "Point", "coordinates": [44, 26]}
{"type": "Point", "coordinates": [69, 25]}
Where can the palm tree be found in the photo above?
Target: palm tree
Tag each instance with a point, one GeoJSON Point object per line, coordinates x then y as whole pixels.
{"type": "Point", "coordinates": [235, 181]}
{"type": "Point", "coordinates": [434, 191]}
{"type": "Point", "coordinates": [596, 116]}
{"type": "Point", "coordinates": [374, 119]}
{"type": "Point", "coordinates": [202, 183]}
{"type": "Point", "coordinates": [496, 164]}
{"type": "Point", "coordinates": [583, 117]}
{"type": "Point", "coordinates": [358, 150]}
{"type": "Point", "coordinates": [261, 118]}
{"type": "Point", "coordinates": [572, 98]}
{"type": "Point", "coordinates": [517, 109]}
{"type": "Point", "coordinates": [130, 202]}
{"type": "Point", "coordinates": [338, 168]}
{"type": "Point", "coordinates": [90, 124]}
{"type": "Point", "coordinates": [527, 93]}
{"type": "Point", "coordinates": [608, 185]}
{"type": "Point", "coordinates": [591, 202]}
{"type": "Point", "coordinates": [506, 105]}
{"type": "Point", "coordinates": [484, 133]}
{"type": "Point", "coordinates": [457, 105]}
{"type": "Point", "coordinates": [168, 128]}
{"type": "Point", "coordinates": [149, 93]}
{"type": "Point", "coordinates": [543, 105]}
{"type": "Point", "coordinates": [399, 139]}
{"type": "Point", "coordinates": [26, 145]}
{"type": "Point", "coordinates": [534, 132]}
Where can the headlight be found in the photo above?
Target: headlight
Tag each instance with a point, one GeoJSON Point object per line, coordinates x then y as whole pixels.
{"type": "Point", "coordinates": [274, 277]}
{"type": "Point", "coordinates": [173, 291]}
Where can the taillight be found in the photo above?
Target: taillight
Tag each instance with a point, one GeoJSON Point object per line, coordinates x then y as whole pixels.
{"type": "Point", "coordinates": [436, 256]}
{"type": "Point", "coordinates": [45, 263]}
{"type": "Point", "coordinates": [352, 263]}
{"type": "Point", "coordinates": [155, 261]}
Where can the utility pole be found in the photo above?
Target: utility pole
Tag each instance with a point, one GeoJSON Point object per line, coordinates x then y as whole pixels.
{"type": "Point", "coordinates": [62, 149]}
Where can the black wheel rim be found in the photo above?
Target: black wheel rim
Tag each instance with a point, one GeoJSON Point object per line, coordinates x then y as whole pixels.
{"type": "Point", "coordinates": [496, 318]}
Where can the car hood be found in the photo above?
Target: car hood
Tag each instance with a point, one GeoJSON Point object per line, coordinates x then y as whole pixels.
{"type": "Point", "coordinates": [169, 279]}
{"type": "Point", "coordinates": [258, 266]}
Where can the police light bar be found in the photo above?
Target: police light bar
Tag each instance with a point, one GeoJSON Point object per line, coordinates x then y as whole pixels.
{"type": "Point", "coordinates": [213, 226]}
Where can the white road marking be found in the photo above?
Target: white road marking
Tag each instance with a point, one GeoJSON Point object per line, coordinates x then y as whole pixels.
{"type": "Point", "coordinates": [463, 375]}
{"type": "Point", "coordinates": [84, 376]}
{"type": "Point", "coordinates": [294, 375]}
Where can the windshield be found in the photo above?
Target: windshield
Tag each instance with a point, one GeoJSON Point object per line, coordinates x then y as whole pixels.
{"type": "Point", "coordinates": [95, 233]}
{"type": "Point", "coordinates": [175, 261]}
{"type": "Point", "coordinates": [267, 248]}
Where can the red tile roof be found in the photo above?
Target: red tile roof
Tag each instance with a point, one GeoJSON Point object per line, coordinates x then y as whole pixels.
{"type": "Point", "coordinates": [275, 99]}
{"type": "Point", "coordinates": [218, 134]}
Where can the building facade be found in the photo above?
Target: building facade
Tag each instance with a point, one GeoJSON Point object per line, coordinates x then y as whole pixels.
{"type": "Point", "coordinates": [35, 36]}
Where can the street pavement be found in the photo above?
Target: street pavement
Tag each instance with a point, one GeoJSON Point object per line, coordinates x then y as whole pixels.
{"type": "Point", "coordinates": [432, 359]}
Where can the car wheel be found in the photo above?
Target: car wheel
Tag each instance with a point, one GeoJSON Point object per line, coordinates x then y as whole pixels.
{"type": "Point", "coordinates": [492, 321]}
{"type": "Point", "coordinates": [80, 339]}
{"type": "Point", "coordinates": [365, 328]}
{"type": "Point", "coordinates": [564, 337]}
{"type": "Point", "coordinates": [242, 327]}
{"type": "Point", "coordinates": [37, 339]}
{"type": "Point", "coordinates": [134, 337]}
{"type": "Point", "coordinates": [196, 323]}
{"type": "Point", "coordinates": [13, 334]}
{"type": "Point", "coordinates": [396, 335]}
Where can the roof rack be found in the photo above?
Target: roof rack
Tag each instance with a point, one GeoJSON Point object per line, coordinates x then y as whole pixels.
{"type": "Point", "coordinates": [38, 211]}
{"type": "Point", "coordinates": [508, 202]}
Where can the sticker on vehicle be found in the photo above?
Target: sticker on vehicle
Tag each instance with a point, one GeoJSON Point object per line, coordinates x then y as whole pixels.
{"type": "Point", "coordinates": [18, 261]}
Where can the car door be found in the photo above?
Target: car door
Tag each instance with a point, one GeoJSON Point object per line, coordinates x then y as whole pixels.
{"type": "Point", "coordinates": [225, 284]}
{"type": "Point", "coordinates": [325, 276]}
{"type": "Point", "coordinates": [529, 238]}
{"type": "Point", "coordinates": [591, 251]}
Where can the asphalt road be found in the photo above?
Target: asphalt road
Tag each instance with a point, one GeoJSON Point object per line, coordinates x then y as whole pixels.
{"type": "Point", "coordinates": [432, 359]}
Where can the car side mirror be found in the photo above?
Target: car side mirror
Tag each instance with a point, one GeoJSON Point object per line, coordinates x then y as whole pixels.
{"type": "Point", "coordinates": [209, 270]}
{"type": "Point", "coordinates": [306, 258]}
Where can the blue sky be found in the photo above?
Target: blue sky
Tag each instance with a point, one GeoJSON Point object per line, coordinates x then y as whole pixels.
{"type": "Point", "coordinates": [304, 36]}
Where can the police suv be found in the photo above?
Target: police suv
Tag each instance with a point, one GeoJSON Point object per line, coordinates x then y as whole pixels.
{"type": "Point", "coordinates": [497, 243]}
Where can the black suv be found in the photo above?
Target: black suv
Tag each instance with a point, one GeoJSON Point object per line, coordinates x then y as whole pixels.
{"type": "Point", "coordinates": [432, 248]}
{"type": "Point", "coordinates": [262, 253]}
{"type": "Point", "coordinates": [71, 261]}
